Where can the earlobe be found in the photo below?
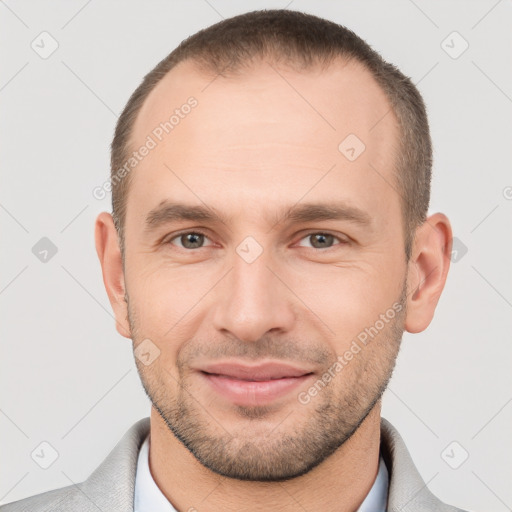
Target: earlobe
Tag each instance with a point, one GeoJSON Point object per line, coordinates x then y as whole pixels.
{"type": "Point", "coordinates": [109, 254]}
{"type": "Point", "coordinates": [428, 270]}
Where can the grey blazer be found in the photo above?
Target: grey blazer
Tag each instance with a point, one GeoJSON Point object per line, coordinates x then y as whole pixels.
{"type": "Point", "coordinates": [110, 488]}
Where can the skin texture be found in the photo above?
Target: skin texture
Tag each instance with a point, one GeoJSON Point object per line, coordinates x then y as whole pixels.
{"type": "Point", "coordinates": [255, 145]}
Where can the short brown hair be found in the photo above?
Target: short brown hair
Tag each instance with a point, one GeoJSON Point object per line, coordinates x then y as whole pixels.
{"type": "Point", "coordinates": [301, 40]}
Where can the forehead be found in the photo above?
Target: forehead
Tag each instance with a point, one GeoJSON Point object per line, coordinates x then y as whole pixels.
{"type": "Point", "coordinates": [343, 96]}
{"type": "Point", "coordinates": [268, 130]}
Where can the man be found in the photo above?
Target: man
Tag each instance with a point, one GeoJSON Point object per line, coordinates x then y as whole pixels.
{"type": "Point", "coordinates": [269, 243]}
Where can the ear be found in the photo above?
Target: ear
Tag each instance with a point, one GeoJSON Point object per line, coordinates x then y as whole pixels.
{"type": "Point", "coordinates": [427, 271]}
{"type": "Point", "coordinates": [109, 253]}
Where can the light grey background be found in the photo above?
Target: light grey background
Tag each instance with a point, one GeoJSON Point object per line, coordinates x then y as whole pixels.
{"type": "Point", "coordinates": [69, 379]}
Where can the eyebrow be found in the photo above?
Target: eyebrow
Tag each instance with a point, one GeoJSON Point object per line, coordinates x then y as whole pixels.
{"type": "Point", "coordinates": [167, 212]}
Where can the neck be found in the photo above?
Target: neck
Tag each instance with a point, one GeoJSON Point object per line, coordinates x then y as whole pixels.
{"type": "Point", "coordinates": [341, 482]}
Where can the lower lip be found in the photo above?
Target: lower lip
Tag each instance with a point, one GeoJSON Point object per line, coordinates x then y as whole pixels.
{"type": "Point", "coordinates": [244, 392]}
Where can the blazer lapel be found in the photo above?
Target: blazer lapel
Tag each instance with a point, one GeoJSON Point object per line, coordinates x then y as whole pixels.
{"type": "Point", "coordinates": [112, 484]}
{"type": "Point", "coordinates": [407, 491]}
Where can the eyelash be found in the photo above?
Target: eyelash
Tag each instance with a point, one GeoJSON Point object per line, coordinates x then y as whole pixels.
{"type": "Point", "coordinates": [199, 232]}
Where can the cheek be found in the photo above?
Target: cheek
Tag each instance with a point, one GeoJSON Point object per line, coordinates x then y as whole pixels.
{"type": "Point", "coordinates": [166, 302]}
{"type": "Point", "coordinates": [344, 301]}
{"type": "Point", "coordinates": [173, 301]}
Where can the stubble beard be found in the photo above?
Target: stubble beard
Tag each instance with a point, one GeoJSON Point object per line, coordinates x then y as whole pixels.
{"type": "Point", "coordinates": [266, 443]}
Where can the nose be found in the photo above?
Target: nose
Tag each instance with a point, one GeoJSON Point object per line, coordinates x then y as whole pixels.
{"type": "Point", "coordinates": [253, 299]}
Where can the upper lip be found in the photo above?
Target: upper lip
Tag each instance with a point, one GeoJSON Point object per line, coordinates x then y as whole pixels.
{"type": "Point", "coordinates": [263, 371]}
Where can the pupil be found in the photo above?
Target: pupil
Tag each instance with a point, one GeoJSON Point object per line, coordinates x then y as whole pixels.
{"type": "Point", "coordinates": [192, 238]}
{"type": "Point", "coordinates": [321, 239]}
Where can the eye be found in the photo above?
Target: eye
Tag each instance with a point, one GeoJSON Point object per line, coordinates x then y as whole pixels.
{"type": "Point", "coordinates": [320, 240]}
{"type": "Point", "coordinates": [189, 240]}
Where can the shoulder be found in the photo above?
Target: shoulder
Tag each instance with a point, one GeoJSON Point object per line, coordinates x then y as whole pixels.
{"type": "Point", "coordinates": [109, 487]}
{"type": "Point", "coordinates": [59, 500]}
{"type": "Point", "coordinates": [407, 490]}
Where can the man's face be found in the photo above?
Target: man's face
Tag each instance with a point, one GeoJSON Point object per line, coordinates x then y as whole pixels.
{"type": "Point", "coordinates": [221, 299]}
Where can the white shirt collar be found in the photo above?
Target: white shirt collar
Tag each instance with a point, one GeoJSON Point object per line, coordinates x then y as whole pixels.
{"type": "Point", "coordinates": [377, 499]}
{"type": "Point", "coordinates": [149, 497]}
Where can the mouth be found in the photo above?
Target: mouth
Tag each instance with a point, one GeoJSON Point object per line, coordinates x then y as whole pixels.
{"type": "Point", "coordinates": [254, 385]}
{"type": "Point", "coordinates": [255, 379]}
